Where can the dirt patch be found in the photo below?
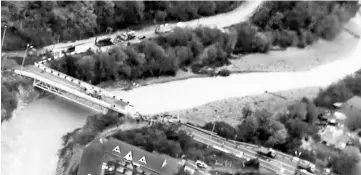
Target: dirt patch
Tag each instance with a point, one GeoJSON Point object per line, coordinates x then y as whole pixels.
{"type": "Point", "coordinates": [230, 110]}
{"type": "Point", "coordinates": [294, 59]}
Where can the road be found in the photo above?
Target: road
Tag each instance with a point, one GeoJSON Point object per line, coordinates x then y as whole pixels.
{"type": "Point", "coordinates": [240, 14]}
{"type": "Point", "coordinates": [275, 165]}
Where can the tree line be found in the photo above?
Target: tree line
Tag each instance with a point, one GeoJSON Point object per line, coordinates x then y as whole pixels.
{"type": "Point", "coordinates": [211, 47]}
{"type": "Point", "coordinates": [41, 23]}
{"type": "Point", "coordinates": [285, 131]}
{"type": "Point", "coordinates": [299, 24]}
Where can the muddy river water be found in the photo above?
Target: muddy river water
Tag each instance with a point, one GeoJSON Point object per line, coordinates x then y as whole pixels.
{"type": "Point", "coordinates": [31, 140]}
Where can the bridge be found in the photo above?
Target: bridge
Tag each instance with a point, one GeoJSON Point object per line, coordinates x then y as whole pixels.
{"type": "Point", "coordinates": [73, 89]}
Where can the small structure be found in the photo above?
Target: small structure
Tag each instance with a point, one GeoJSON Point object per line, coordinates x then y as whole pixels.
{"type": "Point", "coordinates": [351, 106]}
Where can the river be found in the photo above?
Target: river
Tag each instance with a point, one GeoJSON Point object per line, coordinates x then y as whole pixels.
{"type": "Point", "coordinates": [32, 138]}
{"type": "Point", "coordinates": [30, 141]}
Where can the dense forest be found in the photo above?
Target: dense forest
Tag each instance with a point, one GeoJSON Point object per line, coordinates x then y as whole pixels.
{"type": "Point", "coordinates": [41, 23]}
{"type": "Point", "coordinates": [281, 24]}
{"type": "Point", "coordinates": [299, 24]}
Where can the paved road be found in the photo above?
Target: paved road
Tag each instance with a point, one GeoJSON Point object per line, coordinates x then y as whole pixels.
{"type": "Point", "coordinates": [282, 160]}
{"type": "Point", "coordinates": [238, 15]}
{"type": "Point", "coordinates": [249, 152]}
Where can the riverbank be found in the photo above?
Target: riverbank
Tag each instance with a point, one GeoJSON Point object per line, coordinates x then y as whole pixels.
{"type": "Point", "coordinates": [289, 60]}
{"type": "Point", "coordinates": [230, 110]}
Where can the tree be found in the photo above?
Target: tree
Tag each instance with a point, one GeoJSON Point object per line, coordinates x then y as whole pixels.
{"type": "Point", "coordinates": [353, 120]}
{"type": "Point", "coordinates": [346, 162]}
{"type": "Point", "coordinates": [222, 129]}
{"type": "Point", "coordinates": [311, 108]}
{"type": "Point", "coordinates": [160, 16]}
{"type": "Point", "coordinates": [246, 112]}
{"type": "Point", "coordinates": [329, 27]}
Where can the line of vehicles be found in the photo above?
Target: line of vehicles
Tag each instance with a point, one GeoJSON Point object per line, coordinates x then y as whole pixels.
{"type": "Point", "coordinates": [303, 167]}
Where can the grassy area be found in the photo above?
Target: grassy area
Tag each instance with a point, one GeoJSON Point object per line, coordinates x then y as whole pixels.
{"type": "Point", "coordinates": [230, 110]}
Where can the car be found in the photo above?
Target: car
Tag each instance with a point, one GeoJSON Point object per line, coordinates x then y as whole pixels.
{"type": "Point", "coordinates": [306, 166]}
{"type": "Point", "coordinates": [142, 37]}
{"type": "Point", "coordinates": [266, 152]}
{"type": "Point", "coordinates": [201, 164]}
{"type": "Point", "coordinates": [103, 42]}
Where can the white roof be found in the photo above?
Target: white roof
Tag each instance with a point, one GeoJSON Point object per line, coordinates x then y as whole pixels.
{"type": "Point", "coordinates": [340, 116]}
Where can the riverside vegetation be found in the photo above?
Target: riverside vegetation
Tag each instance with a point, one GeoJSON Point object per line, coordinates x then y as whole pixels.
{"type": "Point", "coordinates": [277, 24]}
{"type": "Point", "coordinates": [42, 23]}
{"type": "Point", "coordinates": [282, 131]}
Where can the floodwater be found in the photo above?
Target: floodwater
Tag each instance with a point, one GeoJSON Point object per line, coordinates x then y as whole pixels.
{"type": "Point", "coordinates": [30, 141]}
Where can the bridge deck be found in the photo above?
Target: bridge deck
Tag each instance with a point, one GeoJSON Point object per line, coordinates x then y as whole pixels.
{"type": "Point", "coordinates": [72, 85]}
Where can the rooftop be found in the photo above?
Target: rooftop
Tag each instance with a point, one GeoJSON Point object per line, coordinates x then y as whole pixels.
{"type": "Point", "coordinates": [93, 154]}
{"type": "Point", "coordinates": [353, 105]}
{"type": "Point", "coordinates": [335, 136]}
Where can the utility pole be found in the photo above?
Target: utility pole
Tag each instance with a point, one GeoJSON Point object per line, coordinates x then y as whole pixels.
{"type": "Point", "coordinates": [25, 54]}
{"type": "Point", "coordinates": [2, 43]}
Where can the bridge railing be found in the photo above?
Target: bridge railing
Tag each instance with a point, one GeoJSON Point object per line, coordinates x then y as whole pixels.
{"type": "Point", "coordinates": [284, 155]}
{"type": "Point", "coordinates": [81, 83]}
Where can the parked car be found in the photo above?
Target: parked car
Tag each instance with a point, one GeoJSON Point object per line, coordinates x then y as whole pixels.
{"type": "Point", "coordinates": [103, 42]}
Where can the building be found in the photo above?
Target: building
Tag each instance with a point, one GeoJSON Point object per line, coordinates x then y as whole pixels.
{"type": "Point", "coordinates": [115, 157]}
{"type": "Point", "coordinates": [350, 107]}
{"type": "Point", "coordinates": [338, 135]}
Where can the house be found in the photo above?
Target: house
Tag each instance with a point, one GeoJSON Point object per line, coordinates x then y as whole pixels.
{"type": "Point", "coordinates": [351, 106]}
{"type": "Point", "coordinates": [336, 136]}
{"type": "Point", "coordinates": [115, 157]}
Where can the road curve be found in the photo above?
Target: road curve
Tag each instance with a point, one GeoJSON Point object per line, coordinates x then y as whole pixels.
{"type": "Point", "coordinates": [235, 16]}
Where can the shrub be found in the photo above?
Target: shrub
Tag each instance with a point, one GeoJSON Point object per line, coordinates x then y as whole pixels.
{"type": "Point", "coordinates": [340, 91]}
{"type": "Point", "coordinates": [224, 73]}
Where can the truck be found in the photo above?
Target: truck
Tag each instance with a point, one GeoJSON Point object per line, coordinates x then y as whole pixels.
{"type": "Point", "coordinates": [126, 36]}
{"type": "Point", "coordinates": [303, 165]}
{"type": "Point", "coordinates": [164, 28]}
{"type": "Point", "coordinates": [269, 152]}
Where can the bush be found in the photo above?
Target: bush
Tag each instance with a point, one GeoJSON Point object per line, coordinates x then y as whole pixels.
{"type": "Point", "coordinates": [340, 91]}
{"type": "Point", "coordinates": [346, 162]}
{"type": "Point", "coordinates": [224, 73]}
{"type": "Point", "coordinates": [100, 122]}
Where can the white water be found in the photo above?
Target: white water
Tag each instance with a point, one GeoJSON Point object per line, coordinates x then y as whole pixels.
{"type": "Point", "coordinates": [31, 140]}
